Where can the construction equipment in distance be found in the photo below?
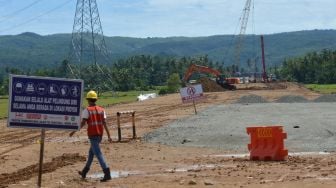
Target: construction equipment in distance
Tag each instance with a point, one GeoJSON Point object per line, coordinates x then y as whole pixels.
{"type": "Point", "coordinates": [226, 83]}
{"type": "Point", "coordinates": [243, 25]}
{"type": "Point", "coordinates": [264, 74]}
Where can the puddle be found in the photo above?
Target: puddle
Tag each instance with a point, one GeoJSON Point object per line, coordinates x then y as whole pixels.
{"type": "Point", "coordinates": [308, 153]}
{"type": "Point", "coordinates": [114, 174]}
{"type": "Point", "coordinates": [193, 168]}
{"type": "Point", "coordinates": [229, 155]}
{"type": "Point", "coordinates": [197, 167]}
{"type": "Point", "coordinates": [123, 174]}
{"type": "Point", "coordinates": [70, 139]}
{"type": "Point", "coordinates": [247, 155]}
{"type": "Point", "coordinates": [326, 178]}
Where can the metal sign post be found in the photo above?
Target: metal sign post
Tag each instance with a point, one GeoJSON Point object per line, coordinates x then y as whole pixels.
{"type": "Point", "coordinates": [44, 103]}
{"type": "Point", "coordinates": [39, 181]}
{"type": "Point", "coordinates": [195, 107]}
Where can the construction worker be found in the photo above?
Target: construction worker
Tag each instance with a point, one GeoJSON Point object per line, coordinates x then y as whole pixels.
{"type": "Point", "coordinates": [95, 117]}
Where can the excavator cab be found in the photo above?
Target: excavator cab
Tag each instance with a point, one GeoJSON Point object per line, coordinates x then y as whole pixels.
{"type": "Point", "coordinates": [220, 79]}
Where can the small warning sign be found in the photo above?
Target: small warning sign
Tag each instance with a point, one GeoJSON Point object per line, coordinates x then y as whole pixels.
{"type": "Point", "coordinates": [192, 93]}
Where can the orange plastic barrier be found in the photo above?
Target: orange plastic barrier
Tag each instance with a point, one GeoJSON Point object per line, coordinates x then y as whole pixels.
{"type": "Point", "coordinates": [267, 143]}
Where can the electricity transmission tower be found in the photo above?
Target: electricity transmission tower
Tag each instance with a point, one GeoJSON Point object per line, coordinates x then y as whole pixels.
{"type": "Point", "coordinates": [243, 25]}
{"type": "Point", "coordinates": [88, 44]}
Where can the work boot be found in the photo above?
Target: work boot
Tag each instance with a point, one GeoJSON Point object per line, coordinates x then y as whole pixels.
{"type": "Point", "coordinates": [84, 172]}
{"type": "Point", "coordinates": [107, 175]}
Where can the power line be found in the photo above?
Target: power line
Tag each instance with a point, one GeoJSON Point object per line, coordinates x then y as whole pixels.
{"type": "Point", "coordinates": [8, 16]}
{"type": "Point", "coordinates": [36, 17]}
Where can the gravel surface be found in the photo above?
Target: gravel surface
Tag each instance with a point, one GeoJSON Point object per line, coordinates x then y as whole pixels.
{"type": "Point", "coordinates": [251, 99]}
{"type": "Point", "coordinates": [309, 126]}
{"type": "Point", "coordinates": [326, 98]}
{"type": "Point", "coordinates": [291, 99]}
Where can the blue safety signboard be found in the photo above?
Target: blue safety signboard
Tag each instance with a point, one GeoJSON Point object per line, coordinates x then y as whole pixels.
{"type": "Point", "coordinates": [44, 102]}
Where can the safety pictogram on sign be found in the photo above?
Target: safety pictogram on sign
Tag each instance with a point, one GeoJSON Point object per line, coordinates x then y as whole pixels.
{"type": "Point", "coordinates": [192, 93]}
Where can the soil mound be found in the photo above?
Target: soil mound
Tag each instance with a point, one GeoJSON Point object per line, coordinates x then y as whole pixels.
{"type": "Point", "coordinates": [276, 85]}
{"type": "Point", "coordinates": [210, 85]}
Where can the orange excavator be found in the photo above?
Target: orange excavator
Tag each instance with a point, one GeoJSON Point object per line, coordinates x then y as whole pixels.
{"type": "Point", "coordinates": [220, 78]}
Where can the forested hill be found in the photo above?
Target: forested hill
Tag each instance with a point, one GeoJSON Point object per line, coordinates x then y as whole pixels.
{"type": "Point", "coordinates": [30, 50]}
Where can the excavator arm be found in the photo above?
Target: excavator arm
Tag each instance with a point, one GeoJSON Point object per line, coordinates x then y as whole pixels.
{"type": "Point", "coordinates": [201, 69]}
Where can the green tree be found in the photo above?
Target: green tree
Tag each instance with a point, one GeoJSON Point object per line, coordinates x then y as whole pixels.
{"type": "Point", "coordinates": [173, 83]}
{"type": "Point", "coordinates": [314, 67]}
{"type": "Point", "coordinates": [4, 86]}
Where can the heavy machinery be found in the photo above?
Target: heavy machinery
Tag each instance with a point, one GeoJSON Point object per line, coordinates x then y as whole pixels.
{"type": "Point", "coordinates": [220, 78]}
{"type": "Point", "coordinates": [243, 25]}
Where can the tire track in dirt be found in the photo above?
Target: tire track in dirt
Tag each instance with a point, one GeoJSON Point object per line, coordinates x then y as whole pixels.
{"type": "Point", "coordinates": [3, 159]}
{"type": "Point", "coordinates": [32, 170]}
{"type": "Point", "coordinates": [16, 137]}
{"type": "Point", "coordinates": [22, 145]}
{"type": "Point", "coordinates": [19, 138]}
{"type": "Point", "coordinates": [161, 112]}
{"type": "Point", "coordinates": [150, 113]}
{"type": "Point", "coordinates": [158, 115]}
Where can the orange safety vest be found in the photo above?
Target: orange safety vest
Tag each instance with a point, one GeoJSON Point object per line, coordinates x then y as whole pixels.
{"type": "Point", "coordinates": [95, 121]}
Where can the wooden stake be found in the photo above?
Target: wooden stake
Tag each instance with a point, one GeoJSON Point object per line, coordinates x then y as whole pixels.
{"type": "Point", "coordinates": [133, 125]}
{"type": "Point", "coordinates": [119, 129]}
{"type": "Point", "coordinates": [39, 181]}
{"type": "Point", "coordinates": [195, 106]}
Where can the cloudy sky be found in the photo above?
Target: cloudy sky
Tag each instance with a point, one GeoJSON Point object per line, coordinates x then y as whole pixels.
{"type": "Point", "coordinates": [163, 18]}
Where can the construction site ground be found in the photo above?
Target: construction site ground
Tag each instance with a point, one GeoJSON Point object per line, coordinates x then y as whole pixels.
{"type": "Point", "coordinates": [146, 162]}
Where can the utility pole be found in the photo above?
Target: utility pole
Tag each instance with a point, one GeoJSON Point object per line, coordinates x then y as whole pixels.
{"type": "Point", "coordinates": [264, 74]}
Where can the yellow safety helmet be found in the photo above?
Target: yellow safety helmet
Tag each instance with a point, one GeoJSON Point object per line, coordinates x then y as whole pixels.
{"type": "Point", "coordinates": [91, 95]}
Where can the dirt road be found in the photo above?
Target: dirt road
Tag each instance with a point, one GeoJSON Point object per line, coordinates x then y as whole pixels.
{"type": "Point", "coordinates": [135, 163]}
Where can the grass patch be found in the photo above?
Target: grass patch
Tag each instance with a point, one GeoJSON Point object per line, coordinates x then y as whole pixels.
{"type": "Point", "coordinates": [322, 88]}
{"type": "Point", "coordinates": [3, 107]}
